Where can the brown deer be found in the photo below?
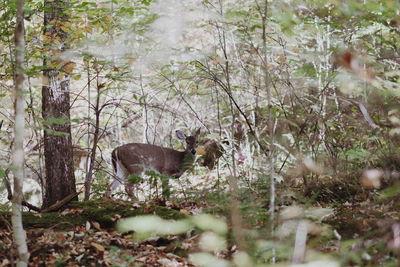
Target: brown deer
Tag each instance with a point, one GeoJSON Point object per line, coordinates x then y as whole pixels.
{"type": "Point", "coordinates": [137, 158]}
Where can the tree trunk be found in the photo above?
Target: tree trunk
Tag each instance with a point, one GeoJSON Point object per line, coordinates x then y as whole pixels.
{"type": "Point", "coordinates": [18, 150]}
{"type": "Point", "coordinates": [271, 127]}
{"type": "Point", "coordinates": [58, 151]}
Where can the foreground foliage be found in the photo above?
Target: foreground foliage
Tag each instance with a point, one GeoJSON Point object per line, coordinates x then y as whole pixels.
{"type": "Point", "coordinates": [360, 231]}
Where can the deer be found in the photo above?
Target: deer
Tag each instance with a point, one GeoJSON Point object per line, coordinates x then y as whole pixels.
{"type": "Point", "coordinates": [137, 158]}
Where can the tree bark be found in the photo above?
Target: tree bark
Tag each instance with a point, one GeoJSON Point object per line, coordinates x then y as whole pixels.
{"type": "Point", "coordinates": [58, 151]}
{"type": "Point", "coordinates": [18, 150]}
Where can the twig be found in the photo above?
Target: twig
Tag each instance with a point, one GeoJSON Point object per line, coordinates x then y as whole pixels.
{"type": "Point", "coordinates": [10, 194]}
{"type": "Point", "coordinates": [60, 203]}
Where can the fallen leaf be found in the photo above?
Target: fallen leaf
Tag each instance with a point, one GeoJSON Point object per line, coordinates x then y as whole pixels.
{"type": "Point", "coordinates": [170, 248]}
{"type": "Point", "coordinates": [96, 225]}
{"type": "Point", "coordinates": [184, 211]}
{"type": "Point", "coordinates": [87, 226]}
{"type": "Point", "coordinates": [97, 246]}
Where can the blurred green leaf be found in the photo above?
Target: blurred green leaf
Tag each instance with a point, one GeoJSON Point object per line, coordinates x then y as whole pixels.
{"type": "Point", "coordinates": [210, 223]}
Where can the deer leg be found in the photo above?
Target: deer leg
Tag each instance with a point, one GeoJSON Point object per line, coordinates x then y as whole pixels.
{"type": "Point", "coordinates": [112, 187]}
{"type": "Point", "coordinates": [131, 188]}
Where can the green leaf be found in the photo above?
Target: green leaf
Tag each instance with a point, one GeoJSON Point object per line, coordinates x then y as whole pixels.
{"type": "Point", "coordinates": [356, 153]}
{"type": "Point", "coordinates": [210, 223]}
{"type": "Point", "coordinates": [55, 133]}
{"type": "Point", "coordinates": [153, 225]}
{"type": "Point", "coordinates": [391, 191]}
{"type": "Point", "coordinates": [135, 179]}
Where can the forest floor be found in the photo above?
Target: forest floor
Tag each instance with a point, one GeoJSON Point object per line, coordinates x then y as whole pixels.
{"type": "Point", "coordinates": [363, 229]}
{"type": "Point", "coordinates": [84, 235]}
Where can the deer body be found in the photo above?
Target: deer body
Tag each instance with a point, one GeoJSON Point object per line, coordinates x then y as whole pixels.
{"type": "Point", "coordinates": [136, 158]}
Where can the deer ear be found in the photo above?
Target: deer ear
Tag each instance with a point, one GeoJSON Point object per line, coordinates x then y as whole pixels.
{"type": "Point", "coordinates": [197, 132]}
{"type": "Point", "coordinates": [180, 135]}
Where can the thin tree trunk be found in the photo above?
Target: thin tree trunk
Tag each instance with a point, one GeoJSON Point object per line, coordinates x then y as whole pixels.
{"type": "Point", "coordinates": [271, 124]}
{"type": "Point", "coordinates": [18, 151]}
{"type": "Point", "coordinates": [58, 151]}
{"type": "Point", "coordinates": [97, 110]}
{"type": "Point", "coordinates": [236, 216]}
